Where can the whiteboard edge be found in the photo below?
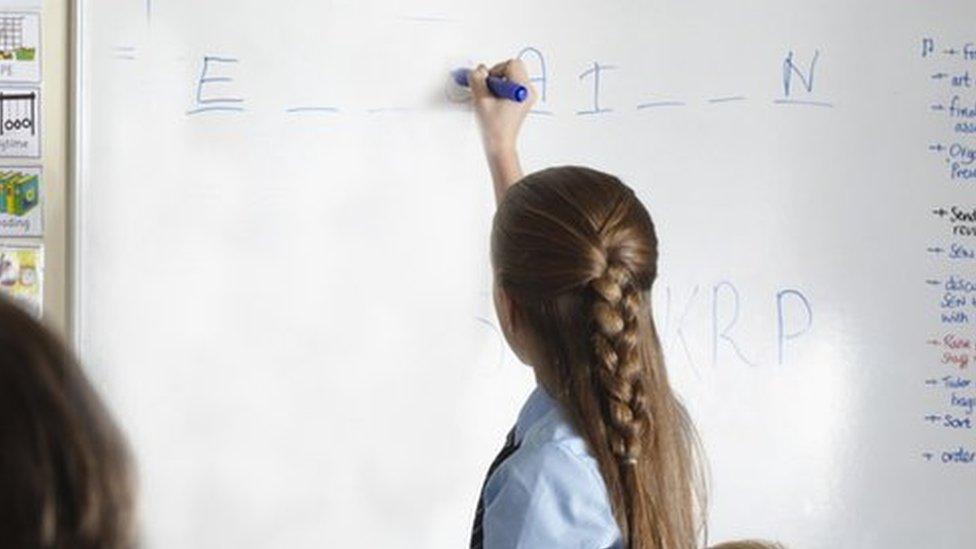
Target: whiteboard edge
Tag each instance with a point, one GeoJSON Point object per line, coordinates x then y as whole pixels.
{"type": "Point", "coordinates": [76, 182]}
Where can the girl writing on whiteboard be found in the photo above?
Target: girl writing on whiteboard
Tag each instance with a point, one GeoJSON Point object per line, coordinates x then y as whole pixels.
{"type": "Point", "coordinates": [602, 454]}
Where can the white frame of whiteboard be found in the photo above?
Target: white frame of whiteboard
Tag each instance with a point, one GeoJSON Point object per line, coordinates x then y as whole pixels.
{"type": "Point", "coordinates": [76, 180]}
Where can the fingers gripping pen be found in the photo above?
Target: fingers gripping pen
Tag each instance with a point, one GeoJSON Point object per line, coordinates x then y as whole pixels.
{"type": "Point", "coordinates": [499, 87]}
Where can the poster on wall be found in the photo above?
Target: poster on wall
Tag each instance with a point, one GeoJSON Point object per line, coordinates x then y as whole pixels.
{"type": "Point", "coordinates": [20, 46]}
{"type": "Point", "coordinates": [20, 128]}
{"type": "Point", "coordinates": [22, 275]}
{"type": "Point", "coordinates": [21, 210]}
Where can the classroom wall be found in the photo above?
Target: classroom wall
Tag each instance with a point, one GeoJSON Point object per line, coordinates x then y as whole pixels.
{"type": "Point", "coordinates": [53, 161]}
{"type": "Point", "coordinates": [54, 157]}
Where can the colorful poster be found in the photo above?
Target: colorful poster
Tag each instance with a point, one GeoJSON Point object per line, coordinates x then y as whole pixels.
{"type": "Point", "coordinates": [20, 127]}
{"type": "Point", "coordinates": [20, 47]}
{"type": "Point", "coordinates": [21, 210]}
{"type": "Point", "coordinates": [21, 276]}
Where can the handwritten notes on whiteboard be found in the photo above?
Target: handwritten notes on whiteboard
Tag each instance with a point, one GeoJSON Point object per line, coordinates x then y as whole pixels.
{"type": "Point", "coordinates": [216, 89]}
{"type": "Point", "coordinates": [248, 186]}
{"type": "Point", "coordinates": [952, 282]}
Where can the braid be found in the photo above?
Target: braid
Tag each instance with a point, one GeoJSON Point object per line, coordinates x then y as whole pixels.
{"type": "Point", "coordinates": [619, 371]}
{"type": "Point", "coordinates": [578, 252]}
{"type": "Point", "coordinates": [622, 380]}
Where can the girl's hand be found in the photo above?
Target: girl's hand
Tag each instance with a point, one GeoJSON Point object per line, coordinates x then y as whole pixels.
{"type": "Point", "coordinates": [500, 119]}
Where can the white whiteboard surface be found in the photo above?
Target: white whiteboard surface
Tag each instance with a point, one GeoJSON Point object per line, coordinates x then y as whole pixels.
{"type": "Point", "coordinates": [287, 298]}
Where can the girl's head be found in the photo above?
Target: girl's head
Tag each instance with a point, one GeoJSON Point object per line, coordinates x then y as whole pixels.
{"type": "Point", "coordinates": [64, 470]}
{"type": "Point", "coordinates": [575, 255]}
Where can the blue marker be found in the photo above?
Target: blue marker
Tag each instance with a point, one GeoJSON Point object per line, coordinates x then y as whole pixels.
{"type": "Point", "coordinates": [499, 87]}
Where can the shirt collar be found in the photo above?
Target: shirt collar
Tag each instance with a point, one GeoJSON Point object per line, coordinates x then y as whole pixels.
{"type": "Point", "coordinates": [535, 408]}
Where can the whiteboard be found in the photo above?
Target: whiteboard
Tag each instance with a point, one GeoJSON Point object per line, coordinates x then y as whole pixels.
{"type": "Point", "coordinates": [283, 285]}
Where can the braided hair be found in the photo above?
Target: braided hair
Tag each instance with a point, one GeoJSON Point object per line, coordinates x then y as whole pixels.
{"type": "Point", "coordinates": [577, 253]}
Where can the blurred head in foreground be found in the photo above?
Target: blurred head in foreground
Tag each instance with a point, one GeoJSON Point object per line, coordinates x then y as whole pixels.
{"type": "Point", "coordinates": [752, 544]}
{"type": "Point", "coordinates": [65, 476]}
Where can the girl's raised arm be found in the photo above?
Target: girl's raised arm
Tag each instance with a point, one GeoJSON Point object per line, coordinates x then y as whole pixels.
{"type": "Point", "coordinates": [500, 121]}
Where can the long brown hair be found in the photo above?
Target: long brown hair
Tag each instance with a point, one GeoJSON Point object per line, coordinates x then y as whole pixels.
{"type": "Point", "coordinates": [577, 252]}
{"type": "Point", "coordinates": [64, 466]}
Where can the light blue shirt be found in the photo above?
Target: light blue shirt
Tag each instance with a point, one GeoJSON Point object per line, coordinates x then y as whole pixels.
{"type": "Point", "coordinates": [549, 493]}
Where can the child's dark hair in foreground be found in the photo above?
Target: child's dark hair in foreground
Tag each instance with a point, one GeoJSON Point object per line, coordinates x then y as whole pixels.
{"type": "Point", "coordinates": [65, 479]}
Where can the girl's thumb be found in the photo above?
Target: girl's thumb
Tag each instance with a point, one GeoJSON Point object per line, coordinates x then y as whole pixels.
{"type": "Point", "coordinates": [477, 81]}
